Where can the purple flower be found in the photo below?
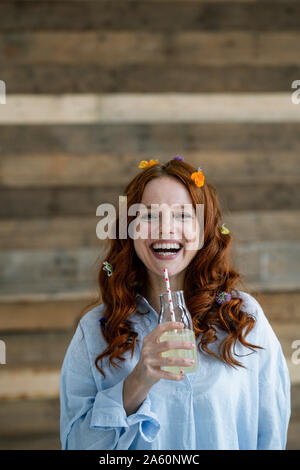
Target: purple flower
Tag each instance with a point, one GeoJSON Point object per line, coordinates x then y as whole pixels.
{"type": "Point", "coordinates": [199, 168]}
{"type": "Point", "coordinates": [178, 157]}
{"type": "Point", "coordinates": [222, 297]}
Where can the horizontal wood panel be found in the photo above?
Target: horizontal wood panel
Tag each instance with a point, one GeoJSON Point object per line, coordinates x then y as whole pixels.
{"type": "Point", "coordinates": [29, 383]}
{"type": "Point", "coordinates": [162, 140]}
{"type": "Point", "coordinates": [293, 441]}
{"type": "Point", "coordinates": [21, 417]}
{"type": "Point", "coordinates": [32, 313]}
{"type": "Point", "coordinates": [34, 349]}
{"type": "Point", "coordinates": [146, 15]}
{"type": "Point", "coordinates": [55, 79]}
{"type": "Point", "coordinates": [70, 202]}
{"type": "Point", "coordinates": [265, 166]}
{"type": "Point", "coordinates": [149, 108]}
{"type": "Point", "coordinates": [269, 266]}
{"type": "Point", "coordinates": [38, 312]}
{"type": "Point", "coordinates": [32, 442]}
{"type": "Point", "coordinates": [136, 48]}
{"type": "Point", "coordinates": [73, 232]}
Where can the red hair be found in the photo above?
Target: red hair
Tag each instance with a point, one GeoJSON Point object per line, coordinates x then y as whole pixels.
{"type": "Point", "coordinates": [206, 275]}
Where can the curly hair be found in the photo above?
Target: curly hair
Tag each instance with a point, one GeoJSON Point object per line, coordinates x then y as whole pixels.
{"type": "Point", "coordinates": [207, 274]}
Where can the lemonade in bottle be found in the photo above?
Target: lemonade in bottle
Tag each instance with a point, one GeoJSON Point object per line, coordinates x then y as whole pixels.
{"type": "Point", "coordinates": [182, 334]}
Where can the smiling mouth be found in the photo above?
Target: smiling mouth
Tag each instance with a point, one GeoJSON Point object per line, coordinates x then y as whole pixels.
{"type": "Point", "coordinates": [166, 253]}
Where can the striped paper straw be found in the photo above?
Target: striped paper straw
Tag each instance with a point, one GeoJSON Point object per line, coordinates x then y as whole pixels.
{"type": "Point", "coordinates": [169, 295]}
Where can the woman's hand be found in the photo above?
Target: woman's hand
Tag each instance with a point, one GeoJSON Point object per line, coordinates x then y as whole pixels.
{"type": "Point", "coordinates": [148, 371]}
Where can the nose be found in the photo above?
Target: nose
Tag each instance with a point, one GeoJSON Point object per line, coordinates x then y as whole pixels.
{"type": "Point", "coordinates": [166, 225]}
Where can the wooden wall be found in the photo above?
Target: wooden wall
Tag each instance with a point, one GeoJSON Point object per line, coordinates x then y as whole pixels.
{"type": "Point", "coordinates": [93, 87]}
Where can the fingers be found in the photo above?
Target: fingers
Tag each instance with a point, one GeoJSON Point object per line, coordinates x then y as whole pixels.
{"type": "Point", "coordinates": [162, 327]}
{"type": "Point", "coordinates": [171, 361]}
{"type": "Point", "coordinates": [166, 345]}
{"type": "Point", "coordinates": [160, 374]}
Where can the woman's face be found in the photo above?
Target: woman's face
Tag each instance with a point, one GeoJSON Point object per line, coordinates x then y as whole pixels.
{"type": "Point", "coordinates": [166, 222]}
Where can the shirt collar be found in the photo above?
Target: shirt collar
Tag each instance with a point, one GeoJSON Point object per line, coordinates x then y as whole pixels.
{"type": "Point", "coordinates": [145, 304]}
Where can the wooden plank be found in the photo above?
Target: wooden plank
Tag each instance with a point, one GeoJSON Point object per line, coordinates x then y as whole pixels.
{"type": "Point", "coordinates": [266, 266]}
{"type": "Point", "coordinates": [293, 441]}
{"type": "Point", "coordinates": [236, 167]}
{"type": "Point", "coordinates": [280, 307]}
{"type": "Point", "coordinates": [32, 442]}
{"type": "Point", "coordinates": [55, 232]}
{"type": "Point", "coordinates": [31, 313]}
{"type": "Point", "coordinates": [40, 312]}
{"type": "Point", "coordinates": [21, 417]}
{"type": "Point", "coordinates": [149, 108]}
{"type": "Point", "coordinates": [156, 139]}
{"type": "Point", "coordinates": [264, 225]}
{"type": "Point", "coordinates": [47, 202]}
{"type": "Point", "coordinates": [29, 383]}
{"type": "Point", "coordinates": [141, 78]}
{"type": "Point", "coordinates": [73, 232]}
{"type": "Point", "coordinates": [70, 202]}
{"type": "Point", "coordinates": [287, 334]}
{"type": "Point", "coordinates": [27, 349]}
{"type": "Point", "coordinates": [130, 48]}
{"type": "Point", "coordinates": [189, 15]}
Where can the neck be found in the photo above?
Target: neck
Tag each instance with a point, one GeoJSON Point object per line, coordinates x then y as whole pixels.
{"type": "Point", "coordinates": [156, 285]}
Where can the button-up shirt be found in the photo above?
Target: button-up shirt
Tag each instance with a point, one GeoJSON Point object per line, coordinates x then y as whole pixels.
{"type": "Point", "coordinates": [215, 407]}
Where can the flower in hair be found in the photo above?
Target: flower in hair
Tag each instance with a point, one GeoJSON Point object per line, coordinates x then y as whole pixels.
{"type": "Point", "coordinates": [145, 164]}
{"type": "Point", "coordinates": [178, 157]}
{"type": "Point", "coordinates": [222, 297]}
{"type": "Point", "coordinates": [224, 230]}
{"type": "Point", "coordinates": [108, 267]}
{"type": "Point", "coordinates": [198, 177]}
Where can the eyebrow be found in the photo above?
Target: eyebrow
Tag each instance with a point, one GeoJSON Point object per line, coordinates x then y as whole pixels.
{"type": "Point", "coordinates": [177, 206]}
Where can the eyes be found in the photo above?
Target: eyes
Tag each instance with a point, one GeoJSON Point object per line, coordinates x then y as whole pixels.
{"type": "Point", "coordinates": [150, 216]}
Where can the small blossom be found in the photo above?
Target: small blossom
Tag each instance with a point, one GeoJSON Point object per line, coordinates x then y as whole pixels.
{"type": "Point", "coordinates": [224, 230]}
{"type": "Point", "coordinates": [145, 164]}
{"type": "Point", "coordinates": [108, 267]}
{"type": "Point", "coordinates": [198, 177]}
{"type": "Point", "coordinates": [222, 297]}
{"type": "Point", "coordinates": [179, 158]}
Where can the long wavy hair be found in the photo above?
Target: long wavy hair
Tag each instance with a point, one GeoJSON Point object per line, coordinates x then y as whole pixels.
{"type": "Point", "coordinates": [208, 273]}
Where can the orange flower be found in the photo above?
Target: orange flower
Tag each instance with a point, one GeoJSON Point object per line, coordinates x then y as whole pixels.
{"type": "Point", "coordinates": [198, 178]}
{"type": "Point", "coordinates": [145, 164]}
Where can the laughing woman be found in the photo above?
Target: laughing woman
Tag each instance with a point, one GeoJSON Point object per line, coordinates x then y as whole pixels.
{"type": "Point", "coordinates": [114, 393]}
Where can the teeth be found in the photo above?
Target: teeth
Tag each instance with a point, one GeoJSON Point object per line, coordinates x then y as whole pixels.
{"type": "Point", "coordinates": [166, 246]}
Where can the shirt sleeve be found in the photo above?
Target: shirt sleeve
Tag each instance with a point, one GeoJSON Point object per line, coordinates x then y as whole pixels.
{"type": "Point", "coordinates": [96, 419]}
{"type": "Point", "coordinates": [274, 406]}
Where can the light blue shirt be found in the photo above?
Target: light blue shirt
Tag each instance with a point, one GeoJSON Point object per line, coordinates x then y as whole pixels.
{"type": "Point", "coordinates": [216, 407]}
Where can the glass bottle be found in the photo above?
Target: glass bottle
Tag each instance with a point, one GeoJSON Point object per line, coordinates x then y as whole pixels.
{"type": "Point", "coordinates": [182, 334]}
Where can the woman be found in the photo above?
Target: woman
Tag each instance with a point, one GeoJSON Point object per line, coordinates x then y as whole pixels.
{"type": "Point", "coordinates": [238, 398]}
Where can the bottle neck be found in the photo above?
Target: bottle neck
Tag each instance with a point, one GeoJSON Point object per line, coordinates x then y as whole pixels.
{"type": "Point", "coordinates": [177, 298]}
